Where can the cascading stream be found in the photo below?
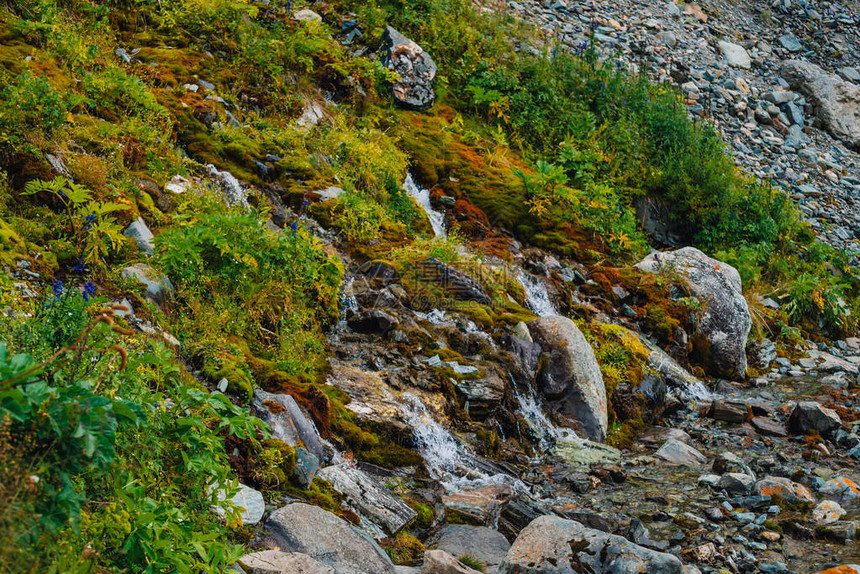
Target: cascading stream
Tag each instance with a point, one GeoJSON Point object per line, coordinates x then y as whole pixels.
{"type": "Point", "coordinates": [422, 196]}
{"type": "Point", "coordinates": [537, 296]}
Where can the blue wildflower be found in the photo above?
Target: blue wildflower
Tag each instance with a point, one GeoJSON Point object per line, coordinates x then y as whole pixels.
{"type": "Point", "coordinates": [57, 288]}
{"type": "Point", "coordinates": [618, 64]}
{"type": "Point", "coordinates": [80, 267]}
{"type": "Point", "coordinates": [294, 226]}
{"type": "Point", "coordinates": [89, 221]}
{"type": "Point", "coordinates": [89, 290]}
{"type": "Point", "coordinates": [306, 203]}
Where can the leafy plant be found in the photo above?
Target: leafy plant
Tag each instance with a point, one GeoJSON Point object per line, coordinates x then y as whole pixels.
{"type": "Point", "coordinates": [87, 223]}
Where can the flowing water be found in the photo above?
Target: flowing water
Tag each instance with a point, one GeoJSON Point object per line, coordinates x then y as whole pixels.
{"type": "Point", "coordinates": [531, 409]}
{"type": "Point", "coordinates": [537, 296]}
{"type": "Point", "coordinates": [448, 460]}
{"type": "Point", "coordinates": [422, 196]}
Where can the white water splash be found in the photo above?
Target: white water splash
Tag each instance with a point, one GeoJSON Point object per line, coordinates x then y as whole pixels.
{"type": "Point", "coordinates": [422, 196]}
{"type": "Point", "coordinates": [435, 316]}
{"type": "Point", "coordinates": [537, 296]}
{"type": "Point", "coordinates": [448, 460]}
{"type": "Point", "coordinates": [531, 409]}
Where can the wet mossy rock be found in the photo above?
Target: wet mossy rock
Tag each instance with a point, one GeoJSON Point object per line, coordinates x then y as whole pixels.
{"type": "Point", "coordinates": [724, 324]}
{"type": "Point", "coordinates": [570, 376]}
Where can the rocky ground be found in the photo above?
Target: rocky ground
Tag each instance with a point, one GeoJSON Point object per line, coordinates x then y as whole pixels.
{"type": "Point", "coordinates": [730, 60]}
{"type": "Point", "coordinates": [724, 477]}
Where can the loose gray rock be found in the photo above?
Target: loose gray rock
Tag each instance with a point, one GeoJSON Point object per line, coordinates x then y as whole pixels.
{"type": "Point", "coordinates": [479, 542]}
{"type": "Point", "coordinates": [736, 483]}
{"type": "Point", "coordinates": [372, 321]}
{"type": "Point", "coordinates": [414, 67]}
{"type": "Point", "coordinates": [275, 562]}
{"type": "Point", "coordinates": [827, 512]}
{"type": "Point", "coordinates": [676, 452]}
{"type": "Point", "coordinates": [554, 545]}
{"type": "Point", "coordinates": [837, 102]}
{"type": "Point", "coordinates": [300, 527]}
{"type": "Point", "coordinates": [572, 377]}
{"type": "Point", "coordinates": [736, 56]}
{"type": "Point", "coordinates": [380, 511]}
{"type": "Point", "coordinates": [142, 236]}
{"type": "Point", "coordinates": [811, 416]}
{"type": "Point", "coordinates": [725, 323]}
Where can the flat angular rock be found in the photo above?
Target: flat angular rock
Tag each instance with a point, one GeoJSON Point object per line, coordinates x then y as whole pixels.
{"type": "Point", "coordinates": [729, 411]}
{"type": "Point", "coordinates": [676, 452]}
{"type": "Point", "coordinates": [811, 416]}
{"type": "Point", "coordinates": [768, 426]}
{"type": "Point", "coordinates": [372, 321]}
{"type": "Point", "coordinates": [381, 512]}
{"type": "Point", "coordinates": [571, 379]}
{"type": "Point", "coordinates": [586, 453]}
{"type": "Point", "coordinates": [275, 562]}
{"type": "Point", "coordinates": [736, 56]}
{"type": "Point", "coordinates": [454, 281]}
{"type": "Point", "coordinates": [736, 483]}
{"type": "Point", "coordinates": [554, 545]}
{"type": "Point", "coordinates": [659, 435]}
{"type": "Point", "coordinates": [479, 542]}
{"type": "Point", "coordinates": [784, 488]}
{"type": "Point", "coordinates": [481, 506]}
{"type": "Point", "coordinates": [300, 527]}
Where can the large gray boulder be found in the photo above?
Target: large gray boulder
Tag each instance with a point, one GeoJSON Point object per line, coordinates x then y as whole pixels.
{"type": "Point", "coordinates": [287, 421]}
{"type": "Point", "coordinates": [554, 545]}
{"type": "Point", "coordinates": [722, 327]}
{"type": "Point", "coordinates": [454, 281]}
{"type": "Point", "coordinates": [837, 102]}
{"type": "Point", "coordinates": [382, 514]}
{"type": "Point", "coordinates": [275, 562]}
{"type": "Point", "coordinates": [300, 527]}
{"type": "Point", "coordinates": [571, 376]}
{"type": "Point", "coordinates": [809, 416]}
{"type": "Point", "coordinates": [415, 69]}
{"type": "Point", "coordinates": [484, 544]}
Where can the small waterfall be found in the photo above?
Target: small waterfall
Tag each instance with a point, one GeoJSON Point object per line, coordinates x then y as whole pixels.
{"type": "Point", "coordinates": [449, 461]}
{"type": "Point", "coordinates": [537, 296]}
{"type": "Point", "coordinates": [531, 409]}
{"type": "Point", "coordinates": [348, 303]}
{"type": "Point", "coordinates": [422, 196]}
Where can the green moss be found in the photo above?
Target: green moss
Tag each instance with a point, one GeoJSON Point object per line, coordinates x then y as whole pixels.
{"type": "Point", "coordinates": [239, 381]}
{"type": "Point", "coordinates": [425, 516]}
{"type": "Point", "coordinates": [473, 563]}
{"type": "Point", "coordinates": [660, 323]}
{"type": "Point", "coordinates": [403, 548]}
